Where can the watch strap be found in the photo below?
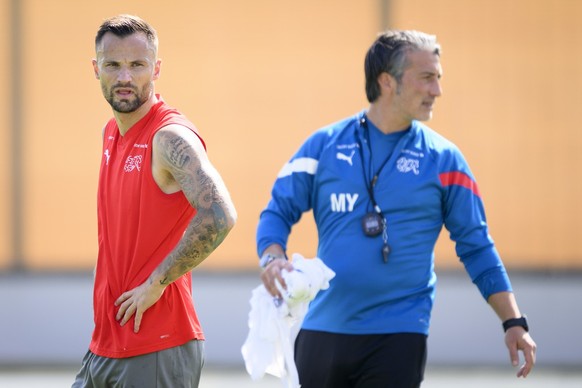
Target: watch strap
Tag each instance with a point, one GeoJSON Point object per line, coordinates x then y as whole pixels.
{"type": "Point", "coordinates": [522, 321]}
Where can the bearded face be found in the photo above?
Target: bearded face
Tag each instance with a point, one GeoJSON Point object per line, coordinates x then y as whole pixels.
{"type": "Point", "coordinates": [126, 68]}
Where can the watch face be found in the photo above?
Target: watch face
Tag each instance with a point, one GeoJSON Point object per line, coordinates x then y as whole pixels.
{"type": "Point", "coordinates": [372, 224]}
{"type": "Point", "coordinates": [265, 259]}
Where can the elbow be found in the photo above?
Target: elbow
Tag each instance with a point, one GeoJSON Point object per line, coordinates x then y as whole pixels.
{"type": "Point", "coordinates": [231, 217]}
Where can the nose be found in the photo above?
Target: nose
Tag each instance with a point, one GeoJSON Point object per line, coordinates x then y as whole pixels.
{"type": "Point", "coordinates": [436, 89]}
{"type": "Point", "coordinates": [124, 75]}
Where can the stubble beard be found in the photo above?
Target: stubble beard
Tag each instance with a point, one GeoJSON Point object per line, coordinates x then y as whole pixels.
{"type": "Point", "coordinates": [128, 105]}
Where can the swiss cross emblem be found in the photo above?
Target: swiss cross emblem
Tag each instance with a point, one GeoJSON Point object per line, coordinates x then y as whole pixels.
{"type": "Point", "coordinates": [132, 163]}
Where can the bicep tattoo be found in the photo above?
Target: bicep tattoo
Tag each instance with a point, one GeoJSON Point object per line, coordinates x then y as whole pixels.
{"type": "Point", "coordinates": [177, 152]}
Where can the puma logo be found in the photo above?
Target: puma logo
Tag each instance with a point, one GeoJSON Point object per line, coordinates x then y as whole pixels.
{"type": "Point", "coordinates": [345, 157]}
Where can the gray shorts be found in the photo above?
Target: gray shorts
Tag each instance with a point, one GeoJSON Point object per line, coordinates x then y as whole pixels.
{"type": "Point", "coordinates": [177, 367]}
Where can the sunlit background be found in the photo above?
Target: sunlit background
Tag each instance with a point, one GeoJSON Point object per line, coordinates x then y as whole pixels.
{"type": "Point", "coordinates": [257, 77]}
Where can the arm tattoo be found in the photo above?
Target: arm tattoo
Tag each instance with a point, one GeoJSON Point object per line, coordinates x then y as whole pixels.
{"type": "Point", "coordinates": [177, 152]}
{"type": "Point", "coordinates": [204, 189]}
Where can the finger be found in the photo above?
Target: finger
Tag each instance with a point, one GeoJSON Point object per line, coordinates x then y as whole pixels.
{"type": "Point", "coordinates": [520, 372]}
{"type": "Point", "coordinates": [268, 277]}
{"type": "Point", "coordinates": [524, 370]}
{"type": "Point", "coordinates": [122, 298]}
{"type": "Point", "coordinates": [137, 321]}
{"type": "Point", "coordinates": [529, 353]}
{"type": "Point", "coordinates": [279, 278]}
{"type": "Point", "coordinates": [273, 290]}
{"type": "Point", "coordinates": [529, 363]}
{"type": "Point", "coordinates": [288, 266]}
{"type": "Point", "coordinates": [128, 314]}
{"type": "Point", "coordinates": [279, 283]}
{"type": "Point", "coordinates": [265, 278]}
{"type": "Point", "coordinates": [513, 355]}
{"type": "Point", "coordinates": [283, 294]}
{"type": "Point", "coordinates": [121, 311]}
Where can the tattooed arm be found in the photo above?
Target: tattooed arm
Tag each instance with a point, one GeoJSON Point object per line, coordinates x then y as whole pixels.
{"type": "Point", "coordinates": [179, 162]}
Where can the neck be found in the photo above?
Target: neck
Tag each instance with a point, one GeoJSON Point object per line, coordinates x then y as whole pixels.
{"type": "Point", "coordinates": [385, 120]}
{"type": "Point", "coordinates": [127, 120]}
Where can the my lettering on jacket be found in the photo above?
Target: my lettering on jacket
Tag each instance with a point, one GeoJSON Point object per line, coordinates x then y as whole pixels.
{"type": "Point", "coordinates": [343, 202]}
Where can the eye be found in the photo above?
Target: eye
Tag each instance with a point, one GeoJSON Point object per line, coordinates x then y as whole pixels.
{"type": "Point", "coordinates": [432, 77]}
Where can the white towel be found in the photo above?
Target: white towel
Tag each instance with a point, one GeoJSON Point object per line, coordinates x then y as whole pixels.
{"type": "Point", "coordinates": [274, 323]}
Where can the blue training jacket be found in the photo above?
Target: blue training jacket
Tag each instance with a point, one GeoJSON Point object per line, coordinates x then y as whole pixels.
{"type": "Point", "coordinates": [425, 184]}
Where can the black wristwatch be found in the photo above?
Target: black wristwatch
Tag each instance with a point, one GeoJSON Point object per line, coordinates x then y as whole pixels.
{"type": "Point", "coordinates": [516, 322]}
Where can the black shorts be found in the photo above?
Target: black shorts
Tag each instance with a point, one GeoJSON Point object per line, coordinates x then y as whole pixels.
{"type": "Point", "coordinates": [329, 360]}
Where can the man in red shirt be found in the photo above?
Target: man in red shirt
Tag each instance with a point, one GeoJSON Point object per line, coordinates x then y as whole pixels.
{"type": "Point", "coordinates": [162, 209]}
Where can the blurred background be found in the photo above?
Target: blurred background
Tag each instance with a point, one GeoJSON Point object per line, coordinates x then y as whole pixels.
{"type": "Point", "coordinates": [257, 77]}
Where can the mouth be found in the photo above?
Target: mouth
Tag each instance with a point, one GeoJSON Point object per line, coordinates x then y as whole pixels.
{"type": "Point", "coordinates": [428, 104]}
{"type": "Point", "coordinates": [123, 92]}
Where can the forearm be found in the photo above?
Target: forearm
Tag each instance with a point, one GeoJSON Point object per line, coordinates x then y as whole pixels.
{"type": "Point", "coordinates": [504, 305]}
{"type": "Point", "coordinates": [275, 250]}
{"type": "Point", "coordinates": [204, 234]}
{"type": "Point", "coordinates": [273, 230]}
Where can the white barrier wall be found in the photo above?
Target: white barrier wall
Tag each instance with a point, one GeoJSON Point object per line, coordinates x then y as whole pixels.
{"type": "Point", "coordinates": [47, 319]}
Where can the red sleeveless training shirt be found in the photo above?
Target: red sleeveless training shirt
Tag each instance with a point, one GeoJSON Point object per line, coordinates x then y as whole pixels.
{"type": "Point", "coordinates": [138, 226]}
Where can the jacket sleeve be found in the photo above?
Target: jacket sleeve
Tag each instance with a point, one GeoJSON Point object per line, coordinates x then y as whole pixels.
{"type": "Point", "coordinates": [291, 196]}
{"type": "Point", "coordinates": [464, 218]}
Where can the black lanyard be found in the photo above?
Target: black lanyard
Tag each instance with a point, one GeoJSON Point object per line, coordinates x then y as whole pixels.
{"type": "Point", "coordinates": [370, 183]}
{"type": "Point", "coordinates": [374, 223]}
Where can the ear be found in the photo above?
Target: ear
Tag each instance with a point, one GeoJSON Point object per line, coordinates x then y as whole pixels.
{"type": "Point", "coordinates": [157, 69]}
{"type": "Point", "coordinates": [95, 68]}
{"type": "Point", "coordinates": [387, 82]}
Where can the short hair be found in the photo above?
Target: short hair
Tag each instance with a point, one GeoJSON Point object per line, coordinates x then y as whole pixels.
{"type": "Point", "coordinates": [388, 55]}
{"type": "Point", "coordinates": [126, 25]}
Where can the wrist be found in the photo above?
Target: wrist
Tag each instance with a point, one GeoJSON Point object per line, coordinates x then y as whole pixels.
{"type": "Point", "coordinates": [159, 281]}
{"type": "Point", "coordinates": [512, 322]}
{"type": "Point", "coordinates": [267, 258]}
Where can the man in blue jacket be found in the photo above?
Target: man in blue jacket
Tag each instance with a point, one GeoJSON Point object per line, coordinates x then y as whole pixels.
{"type": "Point", "coordinates": [381, 185]}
